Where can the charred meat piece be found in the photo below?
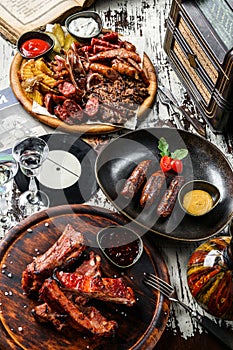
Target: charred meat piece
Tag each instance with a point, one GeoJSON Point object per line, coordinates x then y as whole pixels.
{"type": "Point", "coordinates": [43, 313]}
{"type": "Point", "coordinates": [70, 112]}
{"type": "Point", "coordinates": [107, 289]}
{"type": "Point", "coordinates": [136, 179]}
{"type": "Point", "coordinates": [122, 53]}
{"type": "Point", "coordinates": [125, 69]}
{"type": "Point", "coordinates": [90, 267]}
{"type": "Point", "coordinates": [168, 200]}
{"type": "Point", "coordinates": [104, 70]}
{"type": "Point", "coordinates": [152, 188]}
{"type": "Point", "coordinates": [81, 318]}
{"type": "Point", "coordinates": [64, 251]}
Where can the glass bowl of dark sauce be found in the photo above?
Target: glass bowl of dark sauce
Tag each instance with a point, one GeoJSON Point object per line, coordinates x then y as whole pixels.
{"type": "Point", "coordinates": [120, 245]}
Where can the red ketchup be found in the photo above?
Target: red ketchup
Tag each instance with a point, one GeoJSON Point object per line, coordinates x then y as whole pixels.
{"type": "Point", "coordinates": [34, 47]}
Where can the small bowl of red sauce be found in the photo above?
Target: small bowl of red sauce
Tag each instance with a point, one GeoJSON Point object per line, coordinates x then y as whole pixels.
{"type": "Point", "coordinates": [34, 44]}
{"type": "Point", "coordinates": [120, 245]}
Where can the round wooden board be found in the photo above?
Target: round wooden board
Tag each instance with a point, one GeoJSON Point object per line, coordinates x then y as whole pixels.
{"type": "Point", "coordinates": [139, 327]}
{"type": "Point", "coordinates": [88, 129]}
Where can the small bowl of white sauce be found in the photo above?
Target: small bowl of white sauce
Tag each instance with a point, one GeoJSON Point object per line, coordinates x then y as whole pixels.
{"type": "Point", "coordinates": [84, 25]}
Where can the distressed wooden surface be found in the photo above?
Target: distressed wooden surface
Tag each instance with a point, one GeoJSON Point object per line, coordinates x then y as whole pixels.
{"type": "Point", "coordinates": [146, 19]}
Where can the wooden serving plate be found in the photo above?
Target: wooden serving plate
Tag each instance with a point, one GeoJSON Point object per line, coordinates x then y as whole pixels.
{"type": "Point", "coordinates": [139, 327]}
{"type": "Point", "coordinates": [92, 129]}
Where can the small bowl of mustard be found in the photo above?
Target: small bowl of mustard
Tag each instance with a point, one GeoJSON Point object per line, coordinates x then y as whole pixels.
{"type": "Point", "coordinates": [198, 197]}
{"type": "Point", "coordinates": [84, 25]}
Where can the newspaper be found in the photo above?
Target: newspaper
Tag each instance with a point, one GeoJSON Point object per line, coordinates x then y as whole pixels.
{"type": "Point", "coordinates": [15, 122]}
{"type": "Point", "coordinates": [19, 16]}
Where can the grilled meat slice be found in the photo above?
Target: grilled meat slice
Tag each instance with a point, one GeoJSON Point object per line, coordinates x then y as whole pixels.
{"type": "Point", "coordinates": [79, 317]}
{"type": "Point", "coordinates": [107, 289]}
{"type": "Point", "coordinates": [90, 267]}
{"type": "Point", "coordinates": [136, 179]}
{"type": "Point", "coordinates": [43, 313]}
{"type": "Point", "coordinates": [64, 251]}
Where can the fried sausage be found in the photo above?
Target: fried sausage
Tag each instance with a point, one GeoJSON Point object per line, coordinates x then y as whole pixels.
{"type": "Point", "coordinates": [122, 53]}
{"type": "Point", "coordinates": [106, 71]}
{"type": "Point", "coordinates": [152, 188]}
{"type": "Point", "coordinates": [136, 179]}
{"type": "Point", "coordinates": [168, 200]}
{"type": "Point", "coordinates": [125, 68]}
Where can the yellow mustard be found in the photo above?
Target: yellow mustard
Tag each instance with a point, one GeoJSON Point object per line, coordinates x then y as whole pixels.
{"type": "Point", "coordinates": [197, 202]}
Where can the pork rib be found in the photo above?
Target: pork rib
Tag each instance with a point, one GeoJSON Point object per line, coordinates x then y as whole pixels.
{"type": "Point", "coordinates": [90, 267]}
{"type": "Point", "coordinates": [81, 318]}
{"type": "Point", "coordinates": [65, 250]}
{"type": "Point", "coordinates": [107, 289]}
{"type": "Point", "coordinates": [43, 313]}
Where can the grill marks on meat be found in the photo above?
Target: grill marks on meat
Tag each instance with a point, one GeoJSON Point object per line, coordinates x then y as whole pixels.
{"type": "Point", "coordinates": [152, 188]}
{"type": "Point", "coordinates": [63, 252]}
{"type": "Point", "coordinates": [168, 200]}
{"type": "Point", "coordinates": [106, 289]}
{"type": "Point", "coordinates": [157, 190]}
{"type": "Point", "coordinates": [62, 304]}
{"type": "Point", "coordinates": [110, 54]}
{"type": "Point", "coordinates": [136, 179]}
{"type": "Point", "coordinates": [81, 318]}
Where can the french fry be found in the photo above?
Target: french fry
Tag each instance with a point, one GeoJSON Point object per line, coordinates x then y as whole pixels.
{"type": "Point", "coordinates": [46, 79]}
{"type": "Point", "coordinates": [40, 65]}
{"type": "Point", "coordinates": [26, 69]}
{"type": "Point", "coordinates": [38, 97]}
{"type": "Point", "coordinates": [45, 88]}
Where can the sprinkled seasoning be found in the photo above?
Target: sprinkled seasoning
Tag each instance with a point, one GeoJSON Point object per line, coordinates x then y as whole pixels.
{"type": "Point", "coordinates": [29, 230]}
{"type": "Point", "coordinates": [46, 224]}
{"type": "Point", "coordinates": [20, 329]}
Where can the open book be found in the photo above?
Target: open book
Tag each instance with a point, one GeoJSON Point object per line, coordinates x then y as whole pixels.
{"type": "Point", "coordinates": [19, 16]}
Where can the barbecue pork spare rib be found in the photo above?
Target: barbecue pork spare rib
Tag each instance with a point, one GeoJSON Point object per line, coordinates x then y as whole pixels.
{"type": "Point", "coordinates": [64, 295]}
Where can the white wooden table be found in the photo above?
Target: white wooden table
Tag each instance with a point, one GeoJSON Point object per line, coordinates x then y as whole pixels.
{"type": "Point", "coordinates": [147, 20]}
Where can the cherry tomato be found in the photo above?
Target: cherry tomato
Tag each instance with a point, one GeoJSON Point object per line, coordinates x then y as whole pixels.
{"type": "Point", "coordinates": [165, 163]}
{"type": "Point", "coordinates": [177, 165]}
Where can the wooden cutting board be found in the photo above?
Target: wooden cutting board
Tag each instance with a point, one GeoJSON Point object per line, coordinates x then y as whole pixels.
{"type": "Point", "coordinates": [89, 129]}
{"type": "Point", "coordinates": [139, 327]}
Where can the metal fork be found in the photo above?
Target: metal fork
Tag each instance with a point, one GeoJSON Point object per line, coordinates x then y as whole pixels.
{"type": "Point", "coordinates": [168, 99]}
{"type": "Point", "coordinates": [169, 291]}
